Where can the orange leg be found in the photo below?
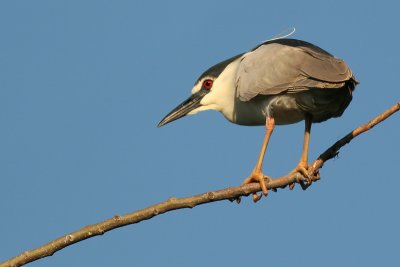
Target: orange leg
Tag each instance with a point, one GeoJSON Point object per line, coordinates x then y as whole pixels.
{"type": "Point", "coordinates": [302, 167]}
{"type": "Point", "coordinates": [257, 175]}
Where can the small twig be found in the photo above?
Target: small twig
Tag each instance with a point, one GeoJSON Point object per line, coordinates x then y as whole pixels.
{"type": "Point", "coordinates": [333, 151]}
{"type": "Point", "coordinates": [190, 202]}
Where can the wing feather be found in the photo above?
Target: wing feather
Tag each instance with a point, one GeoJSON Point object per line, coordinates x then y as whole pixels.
{"type": "Point", "coordinates": [288, 65]}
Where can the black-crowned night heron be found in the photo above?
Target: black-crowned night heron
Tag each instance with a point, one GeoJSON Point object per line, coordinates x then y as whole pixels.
{"type": "Point", "coordinates": [281, 81]}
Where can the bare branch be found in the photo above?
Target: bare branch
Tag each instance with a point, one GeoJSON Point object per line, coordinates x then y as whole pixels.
{"type": "Point", "coordinates": [231, 193]}
{"type": "Point", "coordinates": [334, 149]}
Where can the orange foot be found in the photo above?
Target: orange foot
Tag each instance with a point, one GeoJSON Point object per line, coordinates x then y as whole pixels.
{"type": "Point", "coordinates": [257, 177]}
{"type": "Point", "coordinates": [302, 168]}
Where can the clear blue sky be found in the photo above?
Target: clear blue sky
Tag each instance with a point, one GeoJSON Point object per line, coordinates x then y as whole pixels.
{"type": "Point", "coordinates": [83, 85]}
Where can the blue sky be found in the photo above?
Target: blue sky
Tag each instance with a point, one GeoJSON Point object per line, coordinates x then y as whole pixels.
{"type": "Point", "coordinates": [83, 85]}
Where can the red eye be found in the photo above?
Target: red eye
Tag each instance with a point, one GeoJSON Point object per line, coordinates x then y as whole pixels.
{"type": "Point", "coordinates": [207, 84]}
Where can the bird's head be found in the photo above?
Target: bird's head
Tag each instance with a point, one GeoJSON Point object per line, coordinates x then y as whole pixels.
{"type": "Point", "coordinates": [211, 91]}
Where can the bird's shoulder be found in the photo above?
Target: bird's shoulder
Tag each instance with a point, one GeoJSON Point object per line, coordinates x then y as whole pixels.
{"type": "Point", "coordinates": [295, 43]}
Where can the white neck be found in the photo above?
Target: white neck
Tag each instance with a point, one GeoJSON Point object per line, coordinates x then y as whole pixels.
{"type": "Point", "coordinates": [223, 94]}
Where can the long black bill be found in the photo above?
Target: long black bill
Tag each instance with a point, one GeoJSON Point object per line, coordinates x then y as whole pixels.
{"type": "Point", "coordinates": [184, 108]}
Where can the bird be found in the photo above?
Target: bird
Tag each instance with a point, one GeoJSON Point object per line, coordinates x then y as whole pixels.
{"type": "Point", "coordinates": [280, 81]}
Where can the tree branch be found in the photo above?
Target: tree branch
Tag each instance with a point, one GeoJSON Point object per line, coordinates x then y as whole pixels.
{"type": "Point", "coordinates": [333, 151]}
{"type": "Point", "coordinates": [231, 193]}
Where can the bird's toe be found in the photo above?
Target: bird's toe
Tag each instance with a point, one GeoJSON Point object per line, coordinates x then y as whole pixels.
{"type": "Point", "coordinates": [303, 169]}
{"type": "Point", "coordinates": [257, 177]}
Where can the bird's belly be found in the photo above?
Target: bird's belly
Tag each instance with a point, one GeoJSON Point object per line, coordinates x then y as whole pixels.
{"type": "Point", "coordinates": [291, 108]}
{"type": "Point", "coordinates": [284, 109]}
{"type": "Point", "coordinates": [254, 112]}
{"type": "Point", "coordinates": [320, 104]}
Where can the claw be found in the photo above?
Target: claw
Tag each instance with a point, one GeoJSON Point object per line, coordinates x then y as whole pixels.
{"type": "Point", "coordinates": [257, 177]}
{"type": "Point", "coordinates": [256, 197]}
{"type": "Point", "coordinates": [238, 200]}
{"type": "Point", "coordinates": [302, 168]}
{"type": "Point", "coordinates": [235, 199]}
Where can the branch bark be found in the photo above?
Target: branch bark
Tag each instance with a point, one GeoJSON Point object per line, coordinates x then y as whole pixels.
{"type": "Point", "coordinates": [231, 193]}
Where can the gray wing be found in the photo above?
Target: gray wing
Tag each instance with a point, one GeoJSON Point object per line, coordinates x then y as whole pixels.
{"type": "Point", "coordinates": [288, 65]}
